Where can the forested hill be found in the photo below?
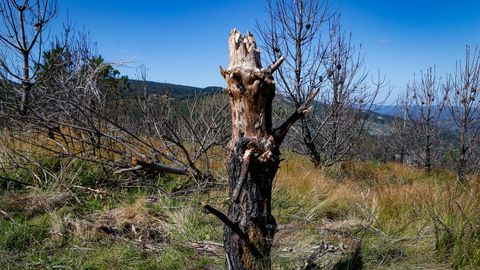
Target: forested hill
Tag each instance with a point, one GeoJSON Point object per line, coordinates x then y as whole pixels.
{"type": "Point", "coordinates": [379, 122]}
{"type": "Point", "coordinates": [135, 87]}
{"type": "Point", "coordinates": [174, 90]}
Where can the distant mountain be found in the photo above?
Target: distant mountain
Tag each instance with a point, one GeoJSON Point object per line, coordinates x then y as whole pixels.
{"type": "Point", "coordinates": [173, 90]}
{"type": "Point", "coordinates": [392, 110]}
{"type": "Point", "coordinates": [379, 123]}
{"type": "Point", "coordinates": [399, 111]}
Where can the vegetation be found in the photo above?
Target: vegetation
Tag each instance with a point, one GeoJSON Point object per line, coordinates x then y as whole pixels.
{"type": "Point", "coordinates": [397, 211]}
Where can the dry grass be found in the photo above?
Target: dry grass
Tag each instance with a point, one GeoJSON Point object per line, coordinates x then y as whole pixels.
{"type": "Point", "coordinates": [403, 211]}
{"type": "Point", "coordinates": [34, 202]}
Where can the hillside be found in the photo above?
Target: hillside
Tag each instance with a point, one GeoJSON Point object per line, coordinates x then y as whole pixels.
{"type": "Point", "coordinates": [399, 111]}
{"type": "Point", "coordinates": [174, 90]}
{"type": "Point", "coordinates": [379, 123]}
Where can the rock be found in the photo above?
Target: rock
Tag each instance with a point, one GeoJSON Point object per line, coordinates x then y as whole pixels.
{"type": "Point", "coordinates": [340, 252]}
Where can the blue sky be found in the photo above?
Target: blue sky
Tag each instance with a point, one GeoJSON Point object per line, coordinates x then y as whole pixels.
{"type": "Point", "coordinates": [184, 41]}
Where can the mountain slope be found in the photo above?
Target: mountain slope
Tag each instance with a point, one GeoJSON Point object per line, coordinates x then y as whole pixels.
{"type": "Point", "coordinates": [174, 90]}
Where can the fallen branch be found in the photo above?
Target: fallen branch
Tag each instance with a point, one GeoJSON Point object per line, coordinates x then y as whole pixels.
{"type": "Point", "coordinates": [131, 169]}
{"type": "Point", "coordinates": [7, 215]}
{"type": "Point", "coordinates": [96, 191]}
{"type": "Point", "coordinates": [152, 167]}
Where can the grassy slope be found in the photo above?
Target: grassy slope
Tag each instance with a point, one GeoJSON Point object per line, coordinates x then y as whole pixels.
{"type": "Point", "coordinates": [406, 218]}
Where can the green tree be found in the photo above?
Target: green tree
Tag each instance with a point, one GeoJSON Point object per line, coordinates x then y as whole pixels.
{"type": "Point", "coordinates": [60, 62]}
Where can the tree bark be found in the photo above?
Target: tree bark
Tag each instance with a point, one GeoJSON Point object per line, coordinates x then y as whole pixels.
{"type": "Point", "coordinates": [254, 155]}
{"type": "Point", "coordinates": [250, 91]}
{"type": "Point", "coordinates": [313, 153]}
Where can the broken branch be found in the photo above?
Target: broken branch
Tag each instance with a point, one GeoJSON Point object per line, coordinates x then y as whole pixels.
{"type": "Point", "coordinates": [243, 175]}
{"type": "Point", "coordinates": [280, 132]}
{"type": "Point", "coordinates": [273, 67]}
{"type": "Point", "coordinates": [232, 225]}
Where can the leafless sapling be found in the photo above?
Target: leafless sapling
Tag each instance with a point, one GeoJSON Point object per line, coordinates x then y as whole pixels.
{"type": "Point", "coordinates": [464, 108]}
{"type": "Point", "coordinates": [424, 103]}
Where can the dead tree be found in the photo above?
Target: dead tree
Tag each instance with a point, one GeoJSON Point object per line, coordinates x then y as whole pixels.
{"type": "Point", "coordinates": [347, 100]}
{"type": "Point", "coordinates": [254, 155]}
{"type": "Point", "coordinates": [23, 37]}
{"type": "Point", "coordinates": [318, 54]}
{"type": "Point", "coordinates": [295, 31]}
{"type": "Point", "coordinates": [464, 107]}
{"type": "Point", "coordinates": [424, 104]}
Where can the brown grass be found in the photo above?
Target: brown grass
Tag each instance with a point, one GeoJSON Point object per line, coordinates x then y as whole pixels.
{"type": "Point", "coordinates": [402, 210]}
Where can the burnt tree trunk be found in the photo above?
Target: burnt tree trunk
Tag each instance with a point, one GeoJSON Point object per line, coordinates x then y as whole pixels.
{"type": "Point", "coordinates": [254, 155]}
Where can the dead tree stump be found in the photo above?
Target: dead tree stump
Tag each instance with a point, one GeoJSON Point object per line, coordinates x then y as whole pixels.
{"type": "Point", "coordinates": [254, 157]}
